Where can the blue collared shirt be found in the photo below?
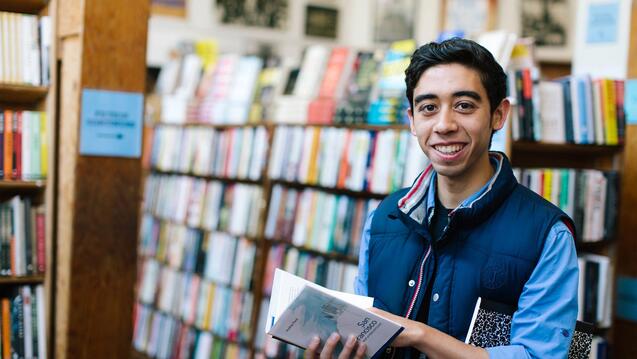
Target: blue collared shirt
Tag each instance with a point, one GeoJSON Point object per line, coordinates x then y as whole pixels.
{"type": "Point", "coordinates": [545, 319]}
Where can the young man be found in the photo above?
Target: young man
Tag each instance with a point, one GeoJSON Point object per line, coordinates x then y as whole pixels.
{"type": "Point", "coordinates": [466, 228]}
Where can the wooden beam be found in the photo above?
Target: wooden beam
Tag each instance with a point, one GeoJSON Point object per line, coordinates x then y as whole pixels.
{"type": "Point", "coordinates": [103, 47]}
{"type": "Point", "coordinates": [624, 331]}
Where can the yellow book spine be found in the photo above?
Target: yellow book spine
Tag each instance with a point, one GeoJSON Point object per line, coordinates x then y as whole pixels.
{"type": "Point", "coordinates": [546, 185]}
{"type": "Point", "coordinates": [610, 113]}
{"type": "Point", "coordinates": [312, 176]}
{"type": "Point", "coordinates": [44, 146]}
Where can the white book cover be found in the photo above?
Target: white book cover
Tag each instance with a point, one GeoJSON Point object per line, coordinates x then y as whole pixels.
{"type": "Point", "coordinates": [294, 154]}
{"type": "Point", "coordinates": [552, 112]}
{"type": "Point", "coordinates": [300, 234]}
{"type": "Point", "coordinates": [259, 153]}
{"type": "Point", "coordinates": [570, 208]}
{"type": "Point", "coordinates": [18, 254]}
{"type": "Point", "coordinates": [204, 346]}
{"type": "Point", "coordinates": [300, 310]}
{"type": "Point", "coordinates": [598, 113]}
{"type": "Point", "coordinates": [34, 52]}
{"type": "Point", "coordinates": [246, 152]}
{"type": "Point", "coordinates": [277, 155]}
{"type": "Point", "coordinates": [45, 49]}
{"type": "Point", "coordinates": [39, 297]}
{"type": "Point", "coordinates": [576, 99]}
{"type": "Point", "coordinates": [27, 321]}
{"type": "Point", "coordinates": [602, 35]}
{"type": "Point", "coordinates": [273, 211]}
{"type": "Point", "coordinates": [311, 73]}
{"type": "Point", "coordinates": [588, 105]}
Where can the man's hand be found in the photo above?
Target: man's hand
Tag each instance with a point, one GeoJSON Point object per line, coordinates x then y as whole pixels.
{"type": "Point", "coordinates": [410, 335]}
{"type": "Point", "coordinates": [330, 346]}
{"type": "Point", "coordinates": [434, 343]}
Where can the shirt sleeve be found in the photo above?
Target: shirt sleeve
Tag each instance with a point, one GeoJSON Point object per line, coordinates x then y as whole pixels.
{"type": "Point", "coordinates": [360, 284]}
{"type": "Point", "coordinates": [543, 325]}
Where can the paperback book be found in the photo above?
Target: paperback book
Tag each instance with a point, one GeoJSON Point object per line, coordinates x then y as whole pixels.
{"type": "Point", "coordinates": [300, 310]}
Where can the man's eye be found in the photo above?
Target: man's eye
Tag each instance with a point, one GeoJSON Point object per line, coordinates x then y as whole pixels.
{"type": "Point", "coordinates": [427, 108]}
{"type": "Point", "coordinates": [465, 106]}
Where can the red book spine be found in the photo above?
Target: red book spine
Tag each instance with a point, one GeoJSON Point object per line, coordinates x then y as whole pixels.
{"type": "Point", "coordinates": [40, 235]}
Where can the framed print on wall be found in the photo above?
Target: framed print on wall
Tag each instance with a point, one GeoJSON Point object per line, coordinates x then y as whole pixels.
{"type": "Point", "coordinates": [550, 23]}
{"type": "Point", "coordinates": [271, 14]}
{"type": "Point", "coordinates": [321, 21]}
{"type": "Point", "coordinates": [394, 20]}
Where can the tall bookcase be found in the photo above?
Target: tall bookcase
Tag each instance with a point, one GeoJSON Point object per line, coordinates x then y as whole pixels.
{"type": "Point", "coordinates": [18, 96]}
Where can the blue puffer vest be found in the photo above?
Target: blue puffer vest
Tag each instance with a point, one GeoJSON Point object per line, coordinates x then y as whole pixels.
{"type": "Point", "coordinates": [489, 250]}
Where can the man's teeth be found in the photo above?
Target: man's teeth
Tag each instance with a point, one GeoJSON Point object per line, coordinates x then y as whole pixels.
{"type": "Point", "coordinates": [450, 149]}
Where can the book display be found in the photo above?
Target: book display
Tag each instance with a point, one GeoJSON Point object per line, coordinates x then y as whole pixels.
{"type": "Point", "coordinates": [26, 189]}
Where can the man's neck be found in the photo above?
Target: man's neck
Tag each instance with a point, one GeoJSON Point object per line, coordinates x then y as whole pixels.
{"type": "Point", "coordinates": [451, 191]}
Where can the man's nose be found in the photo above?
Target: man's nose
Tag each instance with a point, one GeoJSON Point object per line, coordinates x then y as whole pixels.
{"type": "Point", "coordinates": [446, 121]}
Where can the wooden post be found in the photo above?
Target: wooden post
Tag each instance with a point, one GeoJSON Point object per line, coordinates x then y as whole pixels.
{"type": "Point", "coordinates": [102, 45]}
{"type": "Point", "coordinates": [624, 331]}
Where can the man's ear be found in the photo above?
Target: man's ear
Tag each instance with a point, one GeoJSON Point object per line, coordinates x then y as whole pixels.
{"type": "Point", "coordinates": [500, 115]}
{"type": "Point", "coordinates": [410, 114]}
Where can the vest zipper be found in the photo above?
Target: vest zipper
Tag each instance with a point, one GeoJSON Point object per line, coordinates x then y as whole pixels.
{"type": "Point", "coordinates": [420, 275]}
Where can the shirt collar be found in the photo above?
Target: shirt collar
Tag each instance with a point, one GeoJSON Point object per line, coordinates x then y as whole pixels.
{"type": "Point", "coordinates": [421, 198]}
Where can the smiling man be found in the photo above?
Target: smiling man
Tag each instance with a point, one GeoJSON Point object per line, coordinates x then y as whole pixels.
{"type": "Point", "coordinates": [466, 228]}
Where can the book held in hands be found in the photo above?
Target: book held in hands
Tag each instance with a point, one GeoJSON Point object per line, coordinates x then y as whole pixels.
{"type": "Point", "coordinates": [300, 310]}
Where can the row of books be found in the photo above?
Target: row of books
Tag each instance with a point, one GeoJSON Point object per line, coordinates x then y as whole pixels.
{"type": "Point", "coordinates": [22, 242]}
{"type": "Point", "coordinates": [574, 109]}
{"type": "Point", "coordinates": [589, 197]}
{"type": "Point", "coordinates": [268, 347]}
{"type": "Point", "coordinates": [23, 323]}
{"type": "Point", "coordinates": [25, 42]}
{"type": "Point", "coordinates": [329, 273]}
{"type": "Point", "coordinates": [317, 220]}
{"type": "Point", "coordinates": [223, 94]}
{"type": "Point", "coordinates": [357, 160]}
{"type": "Point", "coordinates": [210, 205]}
{"type": "Point", "coordinates": [23, 145]}
{"type": "Point", "coordinates": [216, 256]}
{"type": "Point", "coordinates": [198, 302]}
{"type": "Point", "coordinates": [164, 337]}
{"type": "Point", "coordinates": [330, 85]}
{"type": "Point", "coordinates": [595, 289]}
{"type": "Point", "coordinates": [232, 153]}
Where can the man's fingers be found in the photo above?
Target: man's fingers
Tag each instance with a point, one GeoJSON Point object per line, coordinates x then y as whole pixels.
{"type": "Point", "coordinates": [310, 352]}
{"type": "Point", "coordinates": [348, 348]}
{"type": "Point", "coordinates": [329, 347]}
{"type": "Point", "coordinates": [360, 351]}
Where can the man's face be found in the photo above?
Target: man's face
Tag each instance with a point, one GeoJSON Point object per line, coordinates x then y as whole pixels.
{"type": "Point", "coordinates": [451, 118]}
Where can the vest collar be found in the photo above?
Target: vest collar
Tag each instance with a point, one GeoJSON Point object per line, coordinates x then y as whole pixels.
{"type": "Point", "coordinates": [418, 202]}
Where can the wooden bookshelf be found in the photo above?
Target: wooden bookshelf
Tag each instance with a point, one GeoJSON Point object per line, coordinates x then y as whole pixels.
{"type": "Point", "coordinates": [21, 94]}
{"type": "Point", "coordinates": [332, 190]}
{"type": "Point", "coordinates": [209, 178]}
{"type": "Point", "coordinates": [23, 6]}
{"type": "Point", "coordinates": [8, 185]}
{"type": "Point", "coordinates": [539, 154]}
{"type": "Point", "coordinates": [35, 279]}
{"type": "Point", "coordinates": [329, 255]}
{"type": "Point", "coordinates": [353, 126]}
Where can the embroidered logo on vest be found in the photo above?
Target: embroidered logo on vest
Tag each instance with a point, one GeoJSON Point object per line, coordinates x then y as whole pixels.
{"type": "Point", "coordinates": [493, 275]}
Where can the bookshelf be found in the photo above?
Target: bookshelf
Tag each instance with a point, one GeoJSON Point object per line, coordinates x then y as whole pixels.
{"type": "Point", "coordinates": [24, 6]}
{"type": "Point", "coordinates": [19, 98]}
{"type": "Point", "coordinates": [22, 94]}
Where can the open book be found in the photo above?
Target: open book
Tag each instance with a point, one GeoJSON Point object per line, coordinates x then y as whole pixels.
{"type": "Point", "coordinates": [300, 310]}
{"type": "Point", "coordinates": [491, 327]}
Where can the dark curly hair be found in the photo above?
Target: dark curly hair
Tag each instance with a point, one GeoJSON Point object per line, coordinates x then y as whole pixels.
{"type": "Point", "coordinates": [458, 51]}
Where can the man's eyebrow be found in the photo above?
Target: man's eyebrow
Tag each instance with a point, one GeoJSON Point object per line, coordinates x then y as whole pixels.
{"type": "Point", "coordinates": [425, 96]}
{"type": "Point", "coordinates": [474, 95]}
